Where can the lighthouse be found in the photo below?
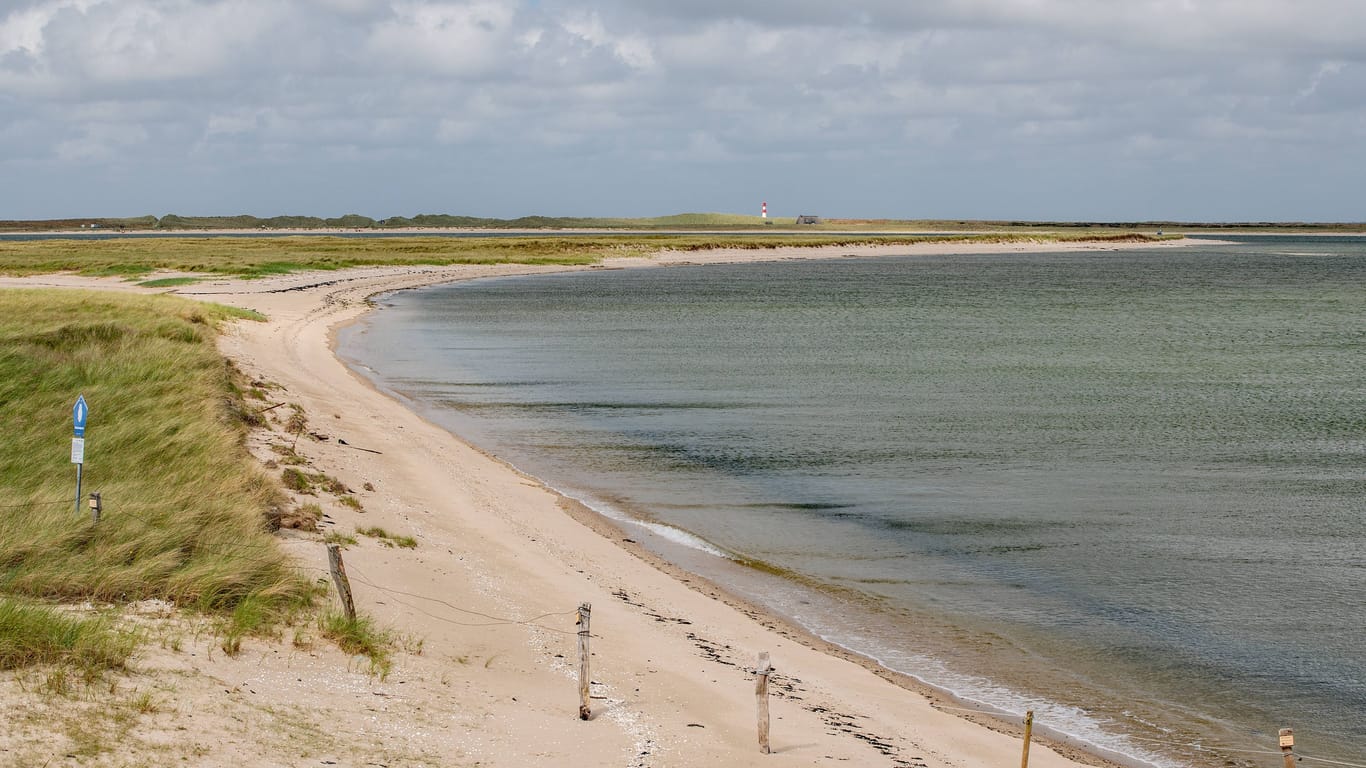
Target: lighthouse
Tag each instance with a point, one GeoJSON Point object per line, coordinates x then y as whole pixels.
{"type": "Point", "coordinates": [763, 210]}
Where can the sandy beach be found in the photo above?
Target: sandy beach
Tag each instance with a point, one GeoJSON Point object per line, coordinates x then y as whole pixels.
{"type": "Point", "coordinates": [486, 602]}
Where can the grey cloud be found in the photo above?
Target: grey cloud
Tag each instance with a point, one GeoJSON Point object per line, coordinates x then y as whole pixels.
{"type": "Point", "coordinates": [1311, 26]}
{"type": "Point", "coordinates": [873, 107]}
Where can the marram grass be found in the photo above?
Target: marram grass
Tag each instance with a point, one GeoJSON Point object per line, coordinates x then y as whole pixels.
{"type": "Point", "coordinates": [184, 505]}
{"type": "Point", "coordinates": [32, 634]}
{"type": "Point", "coordinates": [360, 636]}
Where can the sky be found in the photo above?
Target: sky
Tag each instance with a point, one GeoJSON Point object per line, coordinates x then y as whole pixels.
{"type": "Point", "coordinates": [1188, 110]}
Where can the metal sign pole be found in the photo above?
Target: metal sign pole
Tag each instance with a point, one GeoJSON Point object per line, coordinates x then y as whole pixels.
{"type": "Point", "coordinates": [79, 412]}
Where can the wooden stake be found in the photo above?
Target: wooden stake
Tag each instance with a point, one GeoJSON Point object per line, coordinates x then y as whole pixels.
{"type": "Point", "coordinates": [1288, 747]}
{"type": "Point", "coordinates": [584, 710]}
{"type": "Point", "coordinates": [338, 568]}
{"type": "Point", "coordinates": [96, 506]}
{"type": "Point", "coordinates": [1029, 733]}
{"type": "Point", "coordinates": [761, 673]}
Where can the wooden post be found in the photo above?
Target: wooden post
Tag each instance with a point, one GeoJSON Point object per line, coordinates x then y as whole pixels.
{"type": "Point", "coordinates": [338, 568]}
{"type": "Point", "coordinates": [1029, 733]}
{"type": "Point", "coordinates": [1288, 747]}
{"type": "Point", "coordinates": [584, 710]}
{"type": "Point", "coordinates": [761, 673]}
{"type": "Point", "coordinates": [96, 506]}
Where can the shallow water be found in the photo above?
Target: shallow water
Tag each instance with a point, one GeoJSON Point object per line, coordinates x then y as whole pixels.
{"type": "Point", "coordinates": [1121, 488]}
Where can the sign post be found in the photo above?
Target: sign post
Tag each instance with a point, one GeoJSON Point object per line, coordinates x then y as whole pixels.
{"type": "Point", "coordinates": [79, 412]}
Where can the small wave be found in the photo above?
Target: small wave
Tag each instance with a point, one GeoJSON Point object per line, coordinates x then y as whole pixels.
{"type": "Point", "coordinates": [669, 533]}
{"type": "Point", "coordinates": [682, 537]}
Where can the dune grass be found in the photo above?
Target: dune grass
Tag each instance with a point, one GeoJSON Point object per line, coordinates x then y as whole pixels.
{"type": "Point", "coordinates": [184, 506]}
{"type": "Point", "coordinates": [32, 634]}
{"type": "Point", "coordinates": [388, 539]}
{"type": "Point", "coordinates": [258, 257]}
{"type": "Point", "coordinates": [360, 636]}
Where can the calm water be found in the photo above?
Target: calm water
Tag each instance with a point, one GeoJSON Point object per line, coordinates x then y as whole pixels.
{"type": "Point", "coordinates": [1125, 489]}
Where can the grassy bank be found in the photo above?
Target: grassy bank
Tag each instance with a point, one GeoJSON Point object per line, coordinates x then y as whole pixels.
{"type": "Point", "coordinates": [271, 255]}
{"type": "Point", "coordinates": [184, 505]}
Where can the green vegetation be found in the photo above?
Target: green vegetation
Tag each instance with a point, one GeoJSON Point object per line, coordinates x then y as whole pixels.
{"type": "Point", "coordinates": [676, 221]}
{"type": "Point", "coordinates": [256, 257]}
{"type": "Point", "coordinates": [359, 636]}
{"type": "Point", "coordinates": [309, 483]}
{"type": "Point", "coordinates": [388, 539]}
{"type": "Point", "coordinates": [340, 539]}
{"type": "Point", "coordinates": [169, 282]}
{"type": "Point", "coordinates": [51, 225]}
{"type": "Point", "coordinates": [32, 634]}
{"type": "Point", "coordinates": [185, 508]}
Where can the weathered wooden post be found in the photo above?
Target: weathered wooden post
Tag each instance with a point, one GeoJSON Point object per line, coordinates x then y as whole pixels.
{"type": "Point", "coordinates": [584, 710]}
{"type": "Point", "coordinates": [761, 673]}
{"type": "Point", "coordinates": [1288, 747]}
{"type": "Point", "coordinates": [96, 506]}
{"type": "Point", "coordinates": [338, 568]}
{"type": "Point", "coordinates": [1029, 733]}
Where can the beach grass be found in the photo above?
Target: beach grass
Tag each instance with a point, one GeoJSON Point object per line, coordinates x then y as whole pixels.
{"type": "Point", "coordinates": [184, 506]}
{"type": "Point", "coordinates": [360, 636]}
{"type": "Point", "coordinates": [37, 634]}
{"type": "Point", "coordinates": [261, 256]}
{"type": "Point", "coordinates": [388, 539]}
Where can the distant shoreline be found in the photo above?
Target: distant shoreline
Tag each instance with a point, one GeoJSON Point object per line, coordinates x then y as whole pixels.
{"type": "Point", "coordinates": [1060, 230]}
{"type": "Point", "coordinates": [532, 232]}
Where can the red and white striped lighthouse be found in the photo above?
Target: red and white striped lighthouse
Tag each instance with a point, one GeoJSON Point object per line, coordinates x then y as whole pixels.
{"type": "Point", "coordinates": [763, 210]}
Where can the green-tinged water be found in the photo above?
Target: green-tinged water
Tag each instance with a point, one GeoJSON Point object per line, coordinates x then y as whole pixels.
{"type": "Point", "coordinates": [1124, 489]}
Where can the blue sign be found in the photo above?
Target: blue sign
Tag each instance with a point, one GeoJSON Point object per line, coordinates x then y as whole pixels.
{"type": "Point", "coordinates": [78, 414]}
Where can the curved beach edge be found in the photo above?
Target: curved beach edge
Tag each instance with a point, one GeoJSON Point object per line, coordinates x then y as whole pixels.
{"type": "Point", "coordinates": [502, 562]}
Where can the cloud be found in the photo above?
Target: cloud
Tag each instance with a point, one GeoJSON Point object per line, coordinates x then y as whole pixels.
{"type": "Point", "coordinates": [711, 94]}
{"type": "Point", "coordinates": [445, 39]}
{"type": "Point", "coordinates": [79, 44]}
{"type": "Point", "coordinates": [1326, 69]}
{"type": "Point", "coordinates": [100, 141]}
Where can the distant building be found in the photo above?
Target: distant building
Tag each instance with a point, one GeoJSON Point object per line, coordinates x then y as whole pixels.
{"type": "Point", "coordinates": [808, 219]}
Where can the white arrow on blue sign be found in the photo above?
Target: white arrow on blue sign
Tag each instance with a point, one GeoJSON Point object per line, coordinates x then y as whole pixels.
{"type": "Point", "coordinates": [78, 414]}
